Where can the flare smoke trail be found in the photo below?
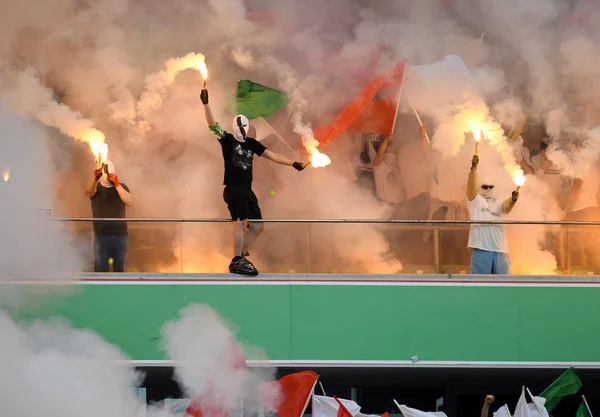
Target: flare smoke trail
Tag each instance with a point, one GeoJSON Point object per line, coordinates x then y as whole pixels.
{"type": "Point", "coordinates": [25, 94]}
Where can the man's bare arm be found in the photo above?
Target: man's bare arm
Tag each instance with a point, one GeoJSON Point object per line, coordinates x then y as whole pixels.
{"type": "Point", "coordinates": [510, 202]}
{"type": "Point", "coordinates": [472, 181]}
{"type": "Point", "coordinates": [381, 152]}
{"type": "Point", "coordinates": [91, 188]}
{"type": "Point", "coordinates": [485, 410]}
{"type": "Point", "coordinates": [125, 196]}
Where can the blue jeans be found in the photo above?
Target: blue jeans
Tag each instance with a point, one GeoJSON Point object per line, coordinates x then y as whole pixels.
{"type": "Point", "coordinates": [106, 247]}
{"type": "Point", "coordinates": [485, 262]}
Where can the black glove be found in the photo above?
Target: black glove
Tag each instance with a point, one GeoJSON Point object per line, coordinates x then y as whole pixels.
{"type": "Point", "coordinates": [204, 96]}
{"type": "Point", "coordinates": [474, 162]}
{"type": "Point", "coordinates": [299, 166]}
{"type": "Point", "coordinates": [515, 196]}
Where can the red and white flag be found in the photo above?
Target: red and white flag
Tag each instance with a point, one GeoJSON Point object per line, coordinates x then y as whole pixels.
{"type": "Point", "coordinates": [328, 406]}
{"type": "Point", "coordinates": [289, 396]}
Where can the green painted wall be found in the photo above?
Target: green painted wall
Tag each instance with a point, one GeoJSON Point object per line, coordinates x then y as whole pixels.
{"type": "Point", "coordinates": [356, 322]}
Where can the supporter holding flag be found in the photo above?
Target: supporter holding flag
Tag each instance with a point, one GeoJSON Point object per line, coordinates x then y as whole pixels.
{"type": "Point", "coordinates": [238, 150]}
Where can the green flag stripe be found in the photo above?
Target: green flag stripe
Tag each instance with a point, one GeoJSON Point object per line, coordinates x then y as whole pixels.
{"type": "Point", "coordinates": [255, 100]}
{"type": "Point", "coordinates": [566, 384]}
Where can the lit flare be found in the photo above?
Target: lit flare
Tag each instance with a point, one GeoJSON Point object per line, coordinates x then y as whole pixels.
{"type": "Point", "coordinates": [6, 174]}
{"type": "Point", "coordinates": [319, 159]}
{"type": "Point", "coordinates": [477, 134]}
{"type": "Point", "coordinates": [519, 179]}
{"type": "Point", "coordinates": [97, 145]}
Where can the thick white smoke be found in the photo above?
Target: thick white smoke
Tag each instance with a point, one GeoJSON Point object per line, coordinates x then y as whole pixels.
{"type": "Point", "coordinates": [55, 370]}
{"type": "Point", "coordinates": [33, 245]}
{"type": "Point", "coordinates": [210, 363]}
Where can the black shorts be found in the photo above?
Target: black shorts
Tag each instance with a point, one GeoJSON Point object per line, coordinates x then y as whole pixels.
{"type": "Point", "coordinates": [241, 202]}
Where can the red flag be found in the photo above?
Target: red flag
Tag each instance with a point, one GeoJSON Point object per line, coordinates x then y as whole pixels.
{"type": "Point", "coordinates": [379, 115]}
{"type": "Point", "coordinates": [342, 410]}
{"type": "Point", "coordinates": [294, 392]}
{"type": "Point", "coordinates": [208, 403]}
{"type": "Point", "coordinates": [392, 77]}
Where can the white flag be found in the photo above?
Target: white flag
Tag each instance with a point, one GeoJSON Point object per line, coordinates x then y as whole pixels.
{"type": "Point", "coordinates": [439, 84]}
{"type": "Point", "coordinates": [503, 412]}
{"type": "Point", "coordinates": [413, 412]}
{"type": "Point", "coordinates": [328, 406]}
{"type": "Point", "coordinates": [537, 408]}
{"type": "Point", "coordinates": [522, 409]}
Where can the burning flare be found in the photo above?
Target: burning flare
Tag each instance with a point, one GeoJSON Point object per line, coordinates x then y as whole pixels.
{"type": "Point", "coordinates": [6, 174]}
{"type": "Point", "coordinates": [519, 179]}
{"type": "Point", "coordinates": [95, 139]}
{"type": "Point", "coordinates": [476, 133]}
{"type": "Point", "coordinates": [319, 159]}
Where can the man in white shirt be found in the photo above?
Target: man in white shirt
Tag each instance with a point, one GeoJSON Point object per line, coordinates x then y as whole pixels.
{"type": "Point", "coordinates": [487, 241]}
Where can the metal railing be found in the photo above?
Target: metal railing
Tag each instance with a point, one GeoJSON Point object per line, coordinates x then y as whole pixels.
{"type": "Point", "coordinates": [421, 245]}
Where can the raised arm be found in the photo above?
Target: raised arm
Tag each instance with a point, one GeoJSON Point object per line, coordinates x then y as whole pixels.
{"type": "Point", "coordinates": [92, 186]}
{"type": "Point", "coordinates": [510, 202]}
{"type": "Point", "coordinates": [381, 151]}
{"type": "Point", "coordinates": [207, 112]}
{"type": "Point", "coordinates": [472, 181]}
{"type": "Point", "coordinates": [485, 410]}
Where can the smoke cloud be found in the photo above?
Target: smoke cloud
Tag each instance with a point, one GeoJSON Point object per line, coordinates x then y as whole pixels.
{"type": "Point", "coordinates": [210, 363]}
{"type": "Point", "coordinates": [96, 57]}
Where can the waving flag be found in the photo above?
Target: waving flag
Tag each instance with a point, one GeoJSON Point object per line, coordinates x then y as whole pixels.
{"type": "Point", "coordinates": [254, 100]}
{"type": "Point", "coordinates": [292, 393]}
{"type": "Point", "coordinates": [392, 77]}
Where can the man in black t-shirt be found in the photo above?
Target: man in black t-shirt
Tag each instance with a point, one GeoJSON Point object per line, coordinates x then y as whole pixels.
{"type": "Point", "coordinates": [238, 152]}
{"type": "Point", "coordinates": [109, 198]}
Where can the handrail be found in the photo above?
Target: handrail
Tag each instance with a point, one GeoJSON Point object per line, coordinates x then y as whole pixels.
{"type": "Point", "coordinates": [331, 221]}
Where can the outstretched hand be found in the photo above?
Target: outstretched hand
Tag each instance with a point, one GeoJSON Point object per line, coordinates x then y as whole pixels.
{"type": "Point", "coordinates": [515, 196]}
{"type": "Point", "coordinates": [489, 399]}
{"type": "Point", "coordinates": [299, 166]}
{"type": "Point", "coordinates": [204, 96]}
{"type": "Point", "coordinates": [474, 162]}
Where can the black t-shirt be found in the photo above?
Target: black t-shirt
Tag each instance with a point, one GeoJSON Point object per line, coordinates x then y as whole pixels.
{"type": "Point", "coordinates": [106, 204]}
{"type": "Point", "coordinates": [237, 157]}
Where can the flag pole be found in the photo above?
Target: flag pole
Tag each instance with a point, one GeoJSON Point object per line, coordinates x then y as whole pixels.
{"type": "Point", "coordinates": [416, 113]}
{"type": "Point", "coordinates": [278, 135]}
{"type": "Point", "coordinates": [409, 102]}
{"type": "Point", "coordinates": [400, 96]}
{"type": "Point", "coordinates": [397, 405]}
{"type": "Point", "coordinates": [322, 389]}
{"type": "Point", "coordinates": [587, 406]}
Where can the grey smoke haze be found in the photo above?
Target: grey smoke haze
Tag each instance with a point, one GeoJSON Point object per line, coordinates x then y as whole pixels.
{"type": "Point", "coordinates": [53, 369]}
{"type": "Point", "coordinates": [536, 57]}
{"type": "Point", "coordinates": [32, 247]}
